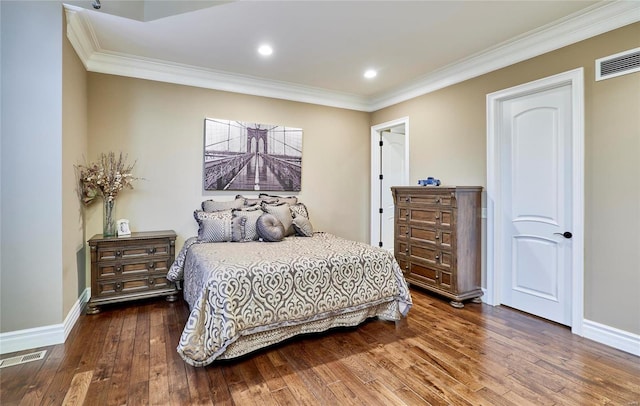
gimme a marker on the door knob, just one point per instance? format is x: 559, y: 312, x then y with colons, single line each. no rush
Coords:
x: 566, y: 234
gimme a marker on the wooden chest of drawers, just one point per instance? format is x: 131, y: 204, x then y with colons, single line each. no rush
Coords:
x: 130, y: 268
x: 437, y: 239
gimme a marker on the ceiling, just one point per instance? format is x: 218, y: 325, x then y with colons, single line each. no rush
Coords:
x: 321, y: 48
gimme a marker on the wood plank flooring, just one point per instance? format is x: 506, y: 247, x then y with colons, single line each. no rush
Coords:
x: 479, y: 355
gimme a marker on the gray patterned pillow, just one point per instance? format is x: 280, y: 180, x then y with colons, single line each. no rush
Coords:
x: 213, y: 205
x: 250, y: 201
x: 213, y: 226
x: 303, y: 226
x: 282, y: 213
x: 280, y: 199
x: 299, y: 209
x: 243, y: 223
x: 269, y: 228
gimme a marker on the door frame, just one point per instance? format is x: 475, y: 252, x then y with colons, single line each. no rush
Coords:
x: 374, y: 227
x: 575, y: 79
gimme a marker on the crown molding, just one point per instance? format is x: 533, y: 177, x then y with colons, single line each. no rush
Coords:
x: 592, y: 21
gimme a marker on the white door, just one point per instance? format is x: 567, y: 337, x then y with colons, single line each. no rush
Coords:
x: 536, y: 200
x: 389, y: 167
x: 393, y: 164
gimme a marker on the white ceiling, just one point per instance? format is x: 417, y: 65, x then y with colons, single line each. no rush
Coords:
x: 320, y: 47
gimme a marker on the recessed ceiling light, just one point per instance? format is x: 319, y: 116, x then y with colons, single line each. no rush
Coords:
x: 370, y: 74
x: 265, y: 50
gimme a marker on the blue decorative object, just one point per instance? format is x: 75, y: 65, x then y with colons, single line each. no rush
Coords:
x: 430, y: 181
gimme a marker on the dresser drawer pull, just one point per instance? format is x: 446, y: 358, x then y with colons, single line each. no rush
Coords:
x: 437, y: 217
x: 437, y: 257
x: 151, y: 281
x: 118, y: 286
x: 437, y: 201
x: 407, y: 199
x: 119, y: 269
x: 151, y: 265
x: 151, y: 250
x: 437, y: 236
x: 406, y: 250
x: 118, y: 253
x: 407, y: 232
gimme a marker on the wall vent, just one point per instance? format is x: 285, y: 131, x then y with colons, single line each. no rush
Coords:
x: 618, y: 64
x: 22, y: 359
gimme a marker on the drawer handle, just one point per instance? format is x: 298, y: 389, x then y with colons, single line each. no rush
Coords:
x: 151, y: 265
x: 118, y: 286
x: 406, y: 250
x: 437, y: 257
x: 437, y: 217
x: 406, y: 214
x: 406, y: 266
x: 119, y: 269
x: 118, y: 253
x: 437, y: 201
x: 151, y: 250
x: 407, y: 199
x: 151, y: 281
x: 407, y: 232
x: 437, y: 236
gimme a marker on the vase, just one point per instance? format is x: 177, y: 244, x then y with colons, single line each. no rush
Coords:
x: 109, y: 217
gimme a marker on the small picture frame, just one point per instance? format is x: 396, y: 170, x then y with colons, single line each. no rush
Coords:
x: 123, y: 228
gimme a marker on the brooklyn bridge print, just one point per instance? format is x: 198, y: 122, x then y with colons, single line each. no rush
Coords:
x: 251, y: 156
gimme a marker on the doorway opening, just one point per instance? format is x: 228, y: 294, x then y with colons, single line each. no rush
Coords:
x: 389, y: 167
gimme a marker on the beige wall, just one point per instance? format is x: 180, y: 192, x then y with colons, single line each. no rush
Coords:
x: 74, y: 149
x: 161, y: 126
x: 448, y: 141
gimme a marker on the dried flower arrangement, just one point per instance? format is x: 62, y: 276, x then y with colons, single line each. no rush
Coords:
x: 105, y: 178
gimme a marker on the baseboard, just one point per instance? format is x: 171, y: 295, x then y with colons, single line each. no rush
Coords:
x: 43, y: 336
x: 611, y: 336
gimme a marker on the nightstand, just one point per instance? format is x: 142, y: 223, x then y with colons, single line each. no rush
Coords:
x: 130, y: 268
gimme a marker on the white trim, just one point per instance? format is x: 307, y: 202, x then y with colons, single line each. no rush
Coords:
x: 595, y: 20
x: 575, y: 78
x: 611, y: 336
x: 37, y: 337
x: 375, y: 171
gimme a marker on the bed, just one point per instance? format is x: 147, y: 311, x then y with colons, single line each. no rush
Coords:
x: 249, y: 295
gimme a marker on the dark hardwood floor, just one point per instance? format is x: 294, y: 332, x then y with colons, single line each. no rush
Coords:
x: 478, y: 355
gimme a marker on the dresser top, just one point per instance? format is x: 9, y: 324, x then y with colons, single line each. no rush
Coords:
x: 435, y: 188
x: 141, y: 235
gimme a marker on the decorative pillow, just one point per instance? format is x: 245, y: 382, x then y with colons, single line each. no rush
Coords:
x: 250, y: 201
x: 269, y: 228
x: 299, y: 209
x: 281, y: 199
x: 282, y: 213
x: 243, y: 223
x: 212, y: 205
x: 213, y: 226
x: 303, y: 226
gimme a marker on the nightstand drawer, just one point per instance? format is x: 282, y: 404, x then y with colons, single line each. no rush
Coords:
x: 112, y: 287
x: 113, y: 269
x: 110, y: 252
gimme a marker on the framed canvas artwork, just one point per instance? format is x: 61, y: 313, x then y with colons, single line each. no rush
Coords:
x: 251, y: 156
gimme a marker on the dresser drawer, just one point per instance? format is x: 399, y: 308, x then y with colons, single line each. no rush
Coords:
x: 440, y: 237
x: 433, y: 276
x: 430, y: 216
x: 442, y: 199
x: 111, y: 269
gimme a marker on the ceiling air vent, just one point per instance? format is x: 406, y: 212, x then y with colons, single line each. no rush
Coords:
x: 618, y: 64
